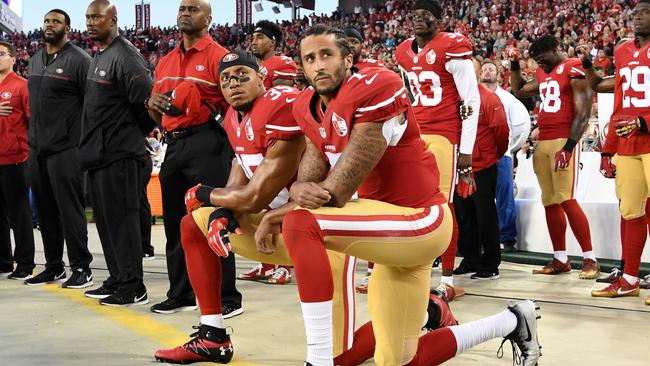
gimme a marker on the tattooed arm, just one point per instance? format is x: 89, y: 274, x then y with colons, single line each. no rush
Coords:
x: 306, y: 192
x: 364, y: 150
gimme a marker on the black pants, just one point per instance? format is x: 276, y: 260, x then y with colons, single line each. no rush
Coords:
x: 478, y: 224
x: 15, y: 213
x: 203, y: 157
x: 145, y: 208
x: 57, y: 183
x: 116, y: 191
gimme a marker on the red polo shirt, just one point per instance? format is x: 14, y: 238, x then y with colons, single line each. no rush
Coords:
x: 199, y: 64
x: 13, y: 128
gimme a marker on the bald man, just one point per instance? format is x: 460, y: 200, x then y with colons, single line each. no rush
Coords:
x: 198, y: 150
x: 114, y: 123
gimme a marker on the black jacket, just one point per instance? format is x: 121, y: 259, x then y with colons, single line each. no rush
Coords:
x: 114, y: 114
x: 56, y: 92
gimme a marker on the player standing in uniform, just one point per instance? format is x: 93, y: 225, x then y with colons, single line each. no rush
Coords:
x: 438, y: 69
x: 268, y: 144
x: 628, y: 137
x: 277, y: 70
x: 564, y: 113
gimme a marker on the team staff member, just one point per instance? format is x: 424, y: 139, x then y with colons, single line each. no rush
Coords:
x: 478, y: 226
x: 197, y: 151
x: 14, y: 193
x: 111, y: 149
x: 57, y: 82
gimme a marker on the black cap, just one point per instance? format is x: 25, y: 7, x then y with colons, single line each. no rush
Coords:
x: 238, y: 57
x: 352, y: 32
x: 431, y: 5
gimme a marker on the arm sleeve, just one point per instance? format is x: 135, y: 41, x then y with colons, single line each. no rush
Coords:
x: 382, y: 98
x: 611, y: 141
x: 499, y: 124
x: 136, y: 82
x: 82, y: 73
x: 282, y: 124
x: 519, y: 121
x: 576, y: 71
x: 465, y: 80
x: 286, y: 71
x: 24, y: 99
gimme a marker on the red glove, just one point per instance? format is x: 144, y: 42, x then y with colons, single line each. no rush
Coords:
x: 607, y: 167
x: 222, y: 222
x: 466, y: 185
x: 562, y: 159
x: 197, y: 196
x: 630, y: 126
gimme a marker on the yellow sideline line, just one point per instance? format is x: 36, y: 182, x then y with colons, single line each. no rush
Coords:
x: 161, y: 333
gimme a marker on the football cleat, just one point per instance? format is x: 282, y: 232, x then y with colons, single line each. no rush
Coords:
x: 262, y: 271
x: 439, y: 314
x: 448, y: 292
x: 362, y: 288
x: 618, y: 289
x: 590, y: 270
x: 281, y: 276
x: 613, y: 276
x: 554, y: 267
x: 526, y: 350
x: 209, y: 344
x: 644, y: 284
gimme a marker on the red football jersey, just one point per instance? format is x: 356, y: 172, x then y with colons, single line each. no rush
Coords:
x: 269, y: 119
x: 365, y: 63
x: 278, y: 67
x: 631, y: 97
x: 556, y: 111
x: 407, y: 175
x: 434, y: 92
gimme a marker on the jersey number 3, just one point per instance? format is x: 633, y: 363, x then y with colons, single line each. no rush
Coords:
x: 425, y: 87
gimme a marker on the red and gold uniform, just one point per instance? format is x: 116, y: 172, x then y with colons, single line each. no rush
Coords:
x: 271, y: 120
x: 555, y: 119
x: 365, y: 63
x: 400, y: 221
x: 278, y: 67
x: 436, y: 98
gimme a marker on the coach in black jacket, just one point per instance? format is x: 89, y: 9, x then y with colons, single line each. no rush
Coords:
x: 113, y: 124
x: 57, y: 80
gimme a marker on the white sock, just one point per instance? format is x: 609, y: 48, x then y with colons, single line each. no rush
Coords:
x: 630, y: 279
x: 448, y: 280
x: 589, y: 255
x: 318, y: 326
x: 213, y: 320
x: 561, y: 256
x: 470, y: 334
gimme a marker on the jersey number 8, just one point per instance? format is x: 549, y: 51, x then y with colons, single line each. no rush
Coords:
x: 549, y: 91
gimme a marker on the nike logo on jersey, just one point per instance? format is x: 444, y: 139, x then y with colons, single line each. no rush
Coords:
x: 290, y: 100
x: 371, y: 80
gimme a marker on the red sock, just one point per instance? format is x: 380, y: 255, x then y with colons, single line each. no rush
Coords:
x: 305, y: 243
x: 203, y: 267
x: 623, y: 228
x: 370, y: 266
x: 435, y: 348
x: 363, y: 348
x: 556, y: 223
x: 647, y: 212
x: 636, y: 232
x: 449, y: 256
x: 579, y: 224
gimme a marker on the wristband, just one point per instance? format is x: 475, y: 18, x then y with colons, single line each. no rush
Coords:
x: 146, y: 103
x: 643, y: 126
x: 586, y: 63
x: 569, y: 145
x: 203, y: 194
x: 515, y: 66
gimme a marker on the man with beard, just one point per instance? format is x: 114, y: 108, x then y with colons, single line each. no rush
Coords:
x: 355, y: 39
x: 57, y: 83
x: 277, y: 70
x: 197, y: 148
x: 114, y: 122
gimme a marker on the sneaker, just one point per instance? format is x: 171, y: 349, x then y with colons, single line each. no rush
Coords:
x: 281, y: 276
x: 449, y: 292
x: 644, y: 284
x: 362, y: 288
x: 261, y: 271
x: 509, y: 246
x: 463, y: 269
x: 79, y: 278
x: 526, y: 350
x: 590, y: 270
x: 100, y: 293
x: 230, y: 311
x: 47, y: 276
x: 439, y: 314
x: 612, y: 277
x: 554, y: 267
x: 171, y: 306
x: 437, y: 262
x: 482, y: 275
x: 120, y: 299
x: 148, y: 254
x: 4, y: 273
x: 209, y: 344
x: 618, y: 289
x: 20, y: 274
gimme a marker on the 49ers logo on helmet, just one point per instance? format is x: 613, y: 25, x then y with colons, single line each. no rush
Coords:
x: 340, y: 125
x: 230, y: 57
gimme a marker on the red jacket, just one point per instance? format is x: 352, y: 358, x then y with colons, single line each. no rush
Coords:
x: 13, y: 128
x: 492, y: 132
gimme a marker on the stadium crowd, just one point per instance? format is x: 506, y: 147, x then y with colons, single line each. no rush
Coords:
x: 491, y: 26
